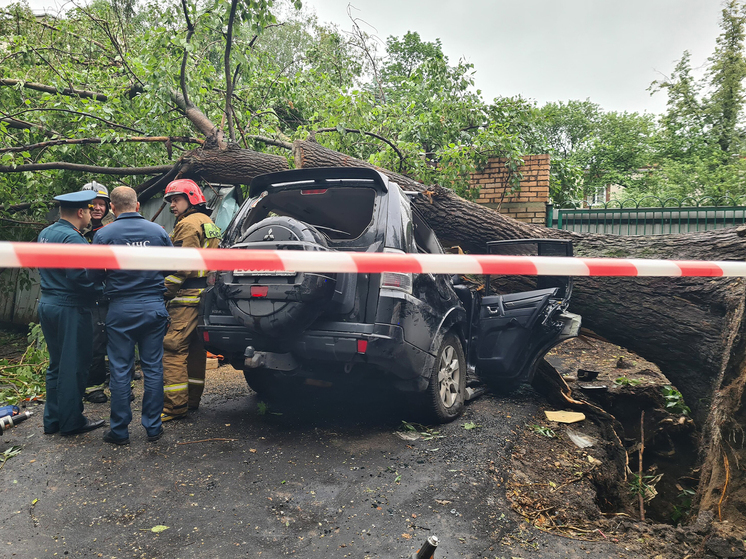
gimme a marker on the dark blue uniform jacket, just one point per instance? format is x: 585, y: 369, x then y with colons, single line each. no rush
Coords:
x: 132, y: 229
x: 67, y: 287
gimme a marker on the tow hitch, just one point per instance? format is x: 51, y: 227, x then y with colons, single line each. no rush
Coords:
x: 264, y: 359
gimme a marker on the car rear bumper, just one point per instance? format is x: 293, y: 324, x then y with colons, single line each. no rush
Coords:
x: 379, y: 345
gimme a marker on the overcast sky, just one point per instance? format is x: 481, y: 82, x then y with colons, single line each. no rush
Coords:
x: 547, y: 50
x: 553, y: 50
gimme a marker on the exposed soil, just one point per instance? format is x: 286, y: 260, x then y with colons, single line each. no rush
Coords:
x: 582, y: 493
x: 13, y: 343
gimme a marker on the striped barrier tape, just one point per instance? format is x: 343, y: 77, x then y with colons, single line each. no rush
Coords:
x: 119, y: 257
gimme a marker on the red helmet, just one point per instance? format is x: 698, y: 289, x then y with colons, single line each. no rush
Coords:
x: 188, y: 188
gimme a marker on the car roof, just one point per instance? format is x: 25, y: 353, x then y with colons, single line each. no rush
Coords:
x: 317, y: 176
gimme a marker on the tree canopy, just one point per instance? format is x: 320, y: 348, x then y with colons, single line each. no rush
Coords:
x: 117, y: 91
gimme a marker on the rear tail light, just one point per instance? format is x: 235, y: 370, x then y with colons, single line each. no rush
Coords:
x: 259, y: 290
x: 206, y: 336
x: 362, y: 346
x: 395, y: 280
x: 307, y: 191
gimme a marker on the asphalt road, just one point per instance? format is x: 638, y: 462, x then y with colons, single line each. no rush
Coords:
x: 316, y: 475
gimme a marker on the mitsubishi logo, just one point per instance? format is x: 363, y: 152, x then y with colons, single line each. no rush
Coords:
x: 269, y: 236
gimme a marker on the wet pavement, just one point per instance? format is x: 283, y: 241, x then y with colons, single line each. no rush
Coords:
x: 318, y: 474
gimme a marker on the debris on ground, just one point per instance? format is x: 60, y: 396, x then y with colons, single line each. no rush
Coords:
x: 626, y: 474
x: 564, y: 416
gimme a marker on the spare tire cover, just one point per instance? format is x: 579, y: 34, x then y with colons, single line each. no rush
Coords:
x: 292, y: 302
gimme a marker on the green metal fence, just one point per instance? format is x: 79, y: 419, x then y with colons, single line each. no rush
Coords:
x: 652, y: 215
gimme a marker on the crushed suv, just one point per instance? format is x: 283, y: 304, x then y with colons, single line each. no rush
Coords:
x: 427, y: 334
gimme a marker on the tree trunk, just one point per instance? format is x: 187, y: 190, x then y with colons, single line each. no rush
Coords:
x: 232, y: 165
x: 692, y: 328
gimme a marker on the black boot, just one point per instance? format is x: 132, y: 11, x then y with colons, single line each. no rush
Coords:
x: 96, y: 397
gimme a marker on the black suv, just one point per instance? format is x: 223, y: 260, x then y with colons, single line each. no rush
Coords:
x: 424, y: 332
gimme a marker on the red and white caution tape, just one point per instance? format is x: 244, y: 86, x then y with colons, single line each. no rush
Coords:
x: 119, y: 257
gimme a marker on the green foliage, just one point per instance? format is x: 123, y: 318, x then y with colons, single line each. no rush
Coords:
x: 683, y: 509
x: 544, y: 431
x: 25, y: 380
x: 674, y: 401
x: 726, y: 74
x: 290, y: 80
x: 9, y: 453
x: 644, y: 485
x: 591, y: 148
x: 294, y: 76
x: 626, y: 381
x: 427, y: 433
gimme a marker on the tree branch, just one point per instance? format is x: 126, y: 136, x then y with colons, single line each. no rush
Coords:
x: 190, y: 32
x: 104, y: 25
x: 43, y: 24
x: 149, y: 188
x: 17, y: 222
x: 82, y: 141
x: 271, y: 141
x: 372, y: 134
x: 87, y: 115
x: 198, y: 118
x: 63, y: 165
x: 23, y: 125
x: 26, y: 206
x: 363, y: 45
x: 228, y: 80
x: 55, y: 90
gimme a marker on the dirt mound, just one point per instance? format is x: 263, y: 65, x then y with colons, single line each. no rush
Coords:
x: 627, y: 471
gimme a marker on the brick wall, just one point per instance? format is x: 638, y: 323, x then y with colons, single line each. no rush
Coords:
x: 527, y: 204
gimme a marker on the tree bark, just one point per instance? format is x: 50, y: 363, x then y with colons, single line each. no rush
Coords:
x: 80, y: 168
x: 232, y: 165
x: 54, y: 90
x: 692, y: 328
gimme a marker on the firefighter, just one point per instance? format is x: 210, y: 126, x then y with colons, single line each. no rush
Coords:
x: 100, y: 216
x: 183, y: 353
x: 101, y: 213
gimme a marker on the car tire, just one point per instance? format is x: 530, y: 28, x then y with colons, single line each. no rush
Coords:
x: 445, y: 393
x: 281, y: 313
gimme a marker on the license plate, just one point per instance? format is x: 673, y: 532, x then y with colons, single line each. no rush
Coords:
x: 283, y: 273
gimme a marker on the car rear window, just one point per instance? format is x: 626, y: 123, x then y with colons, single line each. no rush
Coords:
x: 339, y: 213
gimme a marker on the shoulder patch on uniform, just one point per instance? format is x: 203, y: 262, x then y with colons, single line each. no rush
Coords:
x: 211, y: 230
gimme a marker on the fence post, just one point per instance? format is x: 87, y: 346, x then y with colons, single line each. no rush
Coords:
x: 550, y: 214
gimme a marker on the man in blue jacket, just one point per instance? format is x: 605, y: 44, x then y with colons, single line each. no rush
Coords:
x: 67, y: 296
x: 137, y: 315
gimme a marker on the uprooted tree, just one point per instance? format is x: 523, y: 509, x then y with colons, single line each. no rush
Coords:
x: 692, y: 328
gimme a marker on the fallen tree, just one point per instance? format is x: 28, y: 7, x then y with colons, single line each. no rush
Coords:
x: 692, y: 328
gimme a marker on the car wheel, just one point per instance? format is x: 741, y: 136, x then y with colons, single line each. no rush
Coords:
x: 445, y: 393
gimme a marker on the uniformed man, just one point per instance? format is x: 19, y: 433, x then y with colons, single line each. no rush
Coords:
x: 137, y: 315
x: 67, y: 296
x: 100, y: 216
x: 184, y: 356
